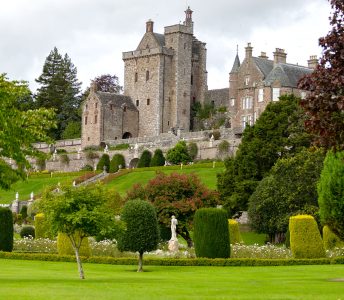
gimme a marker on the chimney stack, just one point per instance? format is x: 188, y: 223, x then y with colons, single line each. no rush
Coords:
x: 312, y: 62
x: 149, y: 26
x: 263, y: 55
x: 248, y: 51
x: 280, y: 56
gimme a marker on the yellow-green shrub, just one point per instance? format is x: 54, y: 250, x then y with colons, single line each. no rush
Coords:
x: 305, y: 239
x: 234, y: 232
x: 331, y: 240
x: 42, y: 228
x: 64, y: 246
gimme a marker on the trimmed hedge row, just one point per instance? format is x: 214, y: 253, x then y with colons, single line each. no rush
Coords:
x: 248, y: 262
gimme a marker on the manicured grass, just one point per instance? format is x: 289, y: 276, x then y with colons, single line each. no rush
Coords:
x: 56, y: 280
x: 124, y: 183
x: 35, y: 184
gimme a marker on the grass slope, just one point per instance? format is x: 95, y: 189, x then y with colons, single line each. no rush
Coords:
x: 55, y: 280
x: 123, y: 183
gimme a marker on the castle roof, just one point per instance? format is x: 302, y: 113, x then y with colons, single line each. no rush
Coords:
x: 287, y: 74
x: 116, y: 100
x: 160, y: 38
x: 264, y: 65
x: 236, y: 64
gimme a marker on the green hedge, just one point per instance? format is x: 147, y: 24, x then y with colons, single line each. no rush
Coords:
x: 64, y: 246
x: 331, y: 240
x: 242, y: 262
x: 305, y: 239
x: 211, y: 233
x: 6, y: 230
x: 234, y: 232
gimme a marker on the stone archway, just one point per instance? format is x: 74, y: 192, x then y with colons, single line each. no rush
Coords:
x: 133, y: 163
x: 127, y: 135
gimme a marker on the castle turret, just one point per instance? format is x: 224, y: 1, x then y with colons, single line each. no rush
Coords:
x: 188, y: 17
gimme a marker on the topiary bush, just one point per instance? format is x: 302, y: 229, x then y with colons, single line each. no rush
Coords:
x: 211, y: 233
x: 6, y: 230
x: 178, y: 154
x: 305, y: 239
x: 116, y: 161
x: 104, y: 162
x: 42, y: 228
x: 27, y: 231
x: 192, y: 150
x: 145, y: 159
x: 64, y: 246
x: 158, y: 159
x: 331, y: 240
x: 23, y: 212
x: 234, y: 232
x: 87, y: 168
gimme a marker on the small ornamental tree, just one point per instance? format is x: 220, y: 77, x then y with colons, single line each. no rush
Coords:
x: 331, y: 193
x: 104, y: 162
x: 176, y: 194
x: 324, y: 104
x: 116, y: 161
x: 234, y: 232
x: 192, y: 150
x: 330, y: 239
x: 211, y: 233
x: 142, y: 231
x: 6, y: 230
x: 145, y: 159
x: 78, y: 212
x: 178, y: 154
x: 305, y: 238
x: 158, y: 159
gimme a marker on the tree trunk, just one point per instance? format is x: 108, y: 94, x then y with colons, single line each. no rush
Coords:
x: 140, y: 262
x: 186, y: 236
x: 78, y: 261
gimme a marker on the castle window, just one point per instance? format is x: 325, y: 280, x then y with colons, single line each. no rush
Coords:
x: 184, y: 45
x: 249, y: 120
x: 111, y: 106
x: 147, y: 75
x: 260, y: 95
x: 247, y: 80
x: 136, y: 77
x: 243, y: 121
x: 88, y: 138
x: 232, y: 102
x: 275, y: 94
x: 184, y: 111
x: 124, y: 108
x: 95, y: 119
x: 246, y: 103
x: 96, y: 104
x: 85, y: 120
x: 169, y: 99
x: 193, y: 100
x: 255, y: 117
x: 303, y: 95
x: 137, y: 102
x: 148, y: 101
x: 191, y: 79
x: 168, y: 123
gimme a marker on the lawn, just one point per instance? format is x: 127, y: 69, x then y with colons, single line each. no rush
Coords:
x: 123, y: 183
x: 57, y: 280
x: 35, y: 184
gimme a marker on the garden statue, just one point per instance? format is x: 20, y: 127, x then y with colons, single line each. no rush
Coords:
x: 54, y: 155
x: 31, y: 196
x: 79, y: 153
x: 211, y: 141
x: 106, y: 149
x: 173, y: 242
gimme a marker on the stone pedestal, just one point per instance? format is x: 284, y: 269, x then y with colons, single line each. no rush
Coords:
x: 173, y: 245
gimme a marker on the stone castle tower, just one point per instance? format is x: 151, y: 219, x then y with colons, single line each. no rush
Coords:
x: 164, y: 76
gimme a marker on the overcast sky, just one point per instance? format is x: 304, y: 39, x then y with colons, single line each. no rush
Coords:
x: 94, y: 33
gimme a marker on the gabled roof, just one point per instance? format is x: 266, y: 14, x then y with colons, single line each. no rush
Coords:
x: 264, y: 65
x: 160, y: 38
x: 287, y: 74
x: 116, y: 100
x: 236, y: 64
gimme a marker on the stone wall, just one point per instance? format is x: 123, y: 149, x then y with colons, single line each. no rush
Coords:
x: 220, y: 97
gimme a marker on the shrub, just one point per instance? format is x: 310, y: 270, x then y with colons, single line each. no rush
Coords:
x: 305, y: 239
x: 116, y: 161
x: 216, y: 134
x: 86, y: 168
x: 223, y: 148
x: 178, y: 154
x: 27, y: 231
x: 234, y: 232
x: 42, y: 228
x: 104, y: 162
x: 145, y: 159
x: 6, y: 230
x: 120, y: 147
x: 192, y: 150
x: 331, y: 193
x: 158, y: 159
x: 64, y: 159
x: 211, y: 234
x: 64, y: 246
x: 331, y: 240
x: 23, y: 212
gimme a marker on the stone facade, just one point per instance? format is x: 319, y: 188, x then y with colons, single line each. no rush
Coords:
x: 257, y: 81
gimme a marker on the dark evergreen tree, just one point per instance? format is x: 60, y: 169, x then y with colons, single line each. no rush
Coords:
x: 104, y: 162
x: 6, y: 230
x: 158, y: 159
x: 145, y: 159
x: 59, y: 89
x: 116, y: 161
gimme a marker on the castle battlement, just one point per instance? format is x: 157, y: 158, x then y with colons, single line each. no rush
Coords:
x: 147, y: 52
x: 178, y: 28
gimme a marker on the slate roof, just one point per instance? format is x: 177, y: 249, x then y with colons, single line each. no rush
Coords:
x: 160, y: 38
x: 236, y: 64
x: 115, y: 99
x: 264, y: 65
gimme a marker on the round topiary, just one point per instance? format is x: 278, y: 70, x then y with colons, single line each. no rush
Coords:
x: 211, y: 233
x: 64, y: 246
x: 6, y: 230
x: 116, y: 161
x: 305, y: 239
x: 331, y: 240
x: 234, y: 232
x: 158, y: 159
x: 104, y: 162
x: 145, y: 159
x: 27, y: 231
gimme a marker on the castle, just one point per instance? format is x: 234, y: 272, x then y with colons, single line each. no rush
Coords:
x: 166, y: 75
